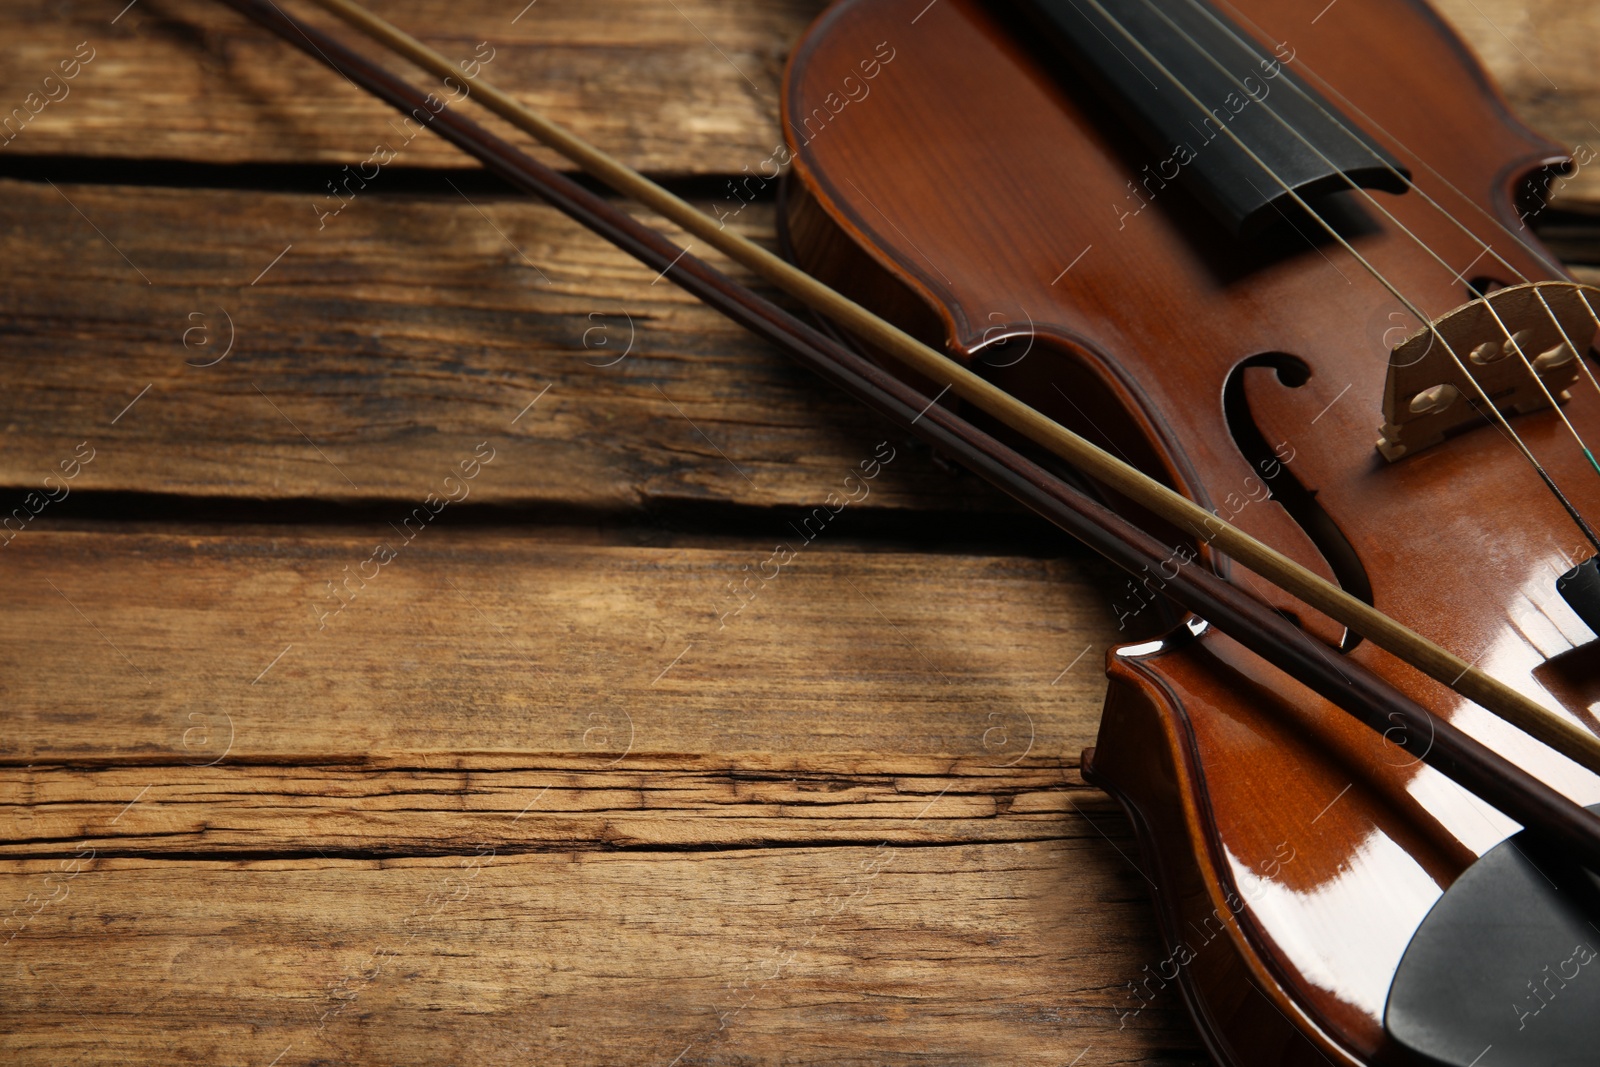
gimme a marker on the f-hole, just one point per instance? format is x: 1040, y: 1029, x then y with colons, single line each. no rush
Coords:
x: 1287, y: 490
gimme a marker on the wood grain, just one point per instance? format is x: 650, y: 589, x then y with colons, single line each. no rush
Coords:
x: 503, y: 646
x: 587, y: 801
x: 689, y: 87
x: 847, y: 825
x: 382, y: 348
x: 1016, y: 953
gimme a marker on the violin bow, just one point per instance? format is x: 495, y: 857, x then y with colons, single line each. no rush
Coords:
x: 1387, y: 633
x: 1235, y: 612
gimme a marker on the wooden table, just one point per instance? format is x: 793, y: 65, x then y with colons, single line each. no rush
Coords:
x: 520, y: 787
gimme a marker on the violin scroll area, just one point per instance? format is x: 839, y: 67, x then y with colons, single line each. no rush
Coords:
x: 1519, y: 348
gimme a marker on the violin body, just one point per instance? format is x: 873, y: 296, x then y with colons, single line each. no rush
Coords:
x: 951, y: 174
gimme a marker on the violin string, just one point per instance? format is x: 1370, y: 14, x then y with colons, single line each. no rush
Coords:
x: 1485, y: 246
x: 1590, y: 307
x: 1537, y: 253
x: 1543, y: 387
x: 1412, y: 186
x: 1488, y: 405
x: 1429, y: 325
x: 1567, y: 338
x: 1587, y: 370
x: 1335, y: 119
x: 1510, y: 338
x: 1349, y: 105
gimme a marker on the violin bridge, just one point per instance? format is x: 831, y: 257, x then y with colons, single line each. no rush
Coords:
x: 1427, y: 395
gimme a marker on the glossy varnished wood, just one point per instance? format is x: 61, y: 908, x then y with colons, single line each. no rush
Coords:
x: 992, y: 185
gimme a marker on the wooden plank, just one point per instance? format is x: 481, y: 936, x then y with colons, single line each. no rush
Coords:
x: 1017, y: 953
x: 383, y: 348
x: 683, y: 88
x: 521, y: 704
x: 506, y: 646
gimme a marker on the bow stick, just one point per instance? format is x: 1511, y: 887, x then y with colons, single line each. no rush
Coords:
x: 1235, y: 612
x: 1387, y: 633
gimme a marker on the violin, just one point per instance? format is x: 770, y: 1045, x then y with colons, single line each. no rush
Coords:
x: 1279, y: 272
x: 1080, y: 200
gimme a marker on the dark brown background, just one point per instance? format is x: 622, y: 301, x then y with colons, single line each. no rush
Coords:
x: 525, y: 798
